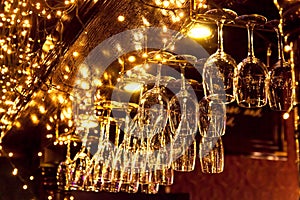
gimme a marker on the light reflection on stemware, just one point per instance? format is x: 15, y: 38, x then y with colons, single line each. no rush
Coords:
x: 252, y: 78
x: 218, y: 72
x: 212, y: 122
x: 281, y: 77
x: 211, y: 153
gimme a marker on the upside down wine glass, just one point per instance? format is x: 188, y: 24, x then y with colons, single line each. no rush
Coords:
x: 252, y: 77
x: 218, y: 71
x: 184, y: 119
x: 154, y: 104
x: 281, y: 78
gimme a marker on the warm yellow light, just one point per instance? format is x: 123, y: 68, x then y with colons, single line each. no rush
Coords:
x: 131, y: 58
x: 85, y: 85
x: 18, y: 124
x: 58, y: 13
x: 166, y: 4
x: 34, y: 118
x: 287, y: 48
x: 133, y: 87
x: 31, y: 178
x: 42, y: 109
x: 121, y: 18
x: 15, y: 171
x: 25, y: 187
x: 199, y: 31
x: 60, y: 98
x: 75, y: 54
x: 40, y: 154
x: 286, y: 116
x: 84, y: 71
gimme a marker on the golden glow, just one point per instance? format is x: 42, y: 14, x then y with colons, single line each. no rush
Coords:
x: 34, y: 118
x: 15, y: 172
x: 286, y: 116
x: 75, y: 54
x: 25, y: 187
x: 42, y: 109
x: 133, y: 87
x: 287, y: 48
x: 131, y: 59
x: 31, y: 178
x: 18, y: 124
x: 199, y: 31
x: 121, y: 18
x: 11, y: 154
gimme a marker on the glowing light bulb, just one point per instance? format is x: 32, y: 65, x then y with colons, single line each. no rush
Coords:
x: 199, y: 31
x: 286, y: 116
x: 15, y: 172
x: 131, y: 59
x: 121, y: 18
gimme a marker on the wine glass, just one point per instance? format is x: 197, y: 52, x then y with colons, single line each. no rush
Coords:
x: 183, y: 119
x: 218, y: 71
x: 184, y: 104
x: 281, y: 77
x: 252, y: 78
x: 79, y: 166
x: 212, y: 122
x: 154, y: 104
x: 211, y: 153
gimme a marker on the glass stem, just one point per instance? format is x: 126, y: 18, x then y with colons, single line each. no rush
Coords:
x: 280, y: 44
x: 182, y: 78
x: 220, y: 25
x: 107, y: 129
x: 250, y: 28
x: 126, y: 130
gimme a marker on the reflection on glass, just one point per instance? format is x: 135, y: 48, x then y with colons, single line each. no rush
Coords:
x: 252, y: 77
x: 218, y: 72
x: 212, y: 122
x: 281, y: 80
x: 211, y: 153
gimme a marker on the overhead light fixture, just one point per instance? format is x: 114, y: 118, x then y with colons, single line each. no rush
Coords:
x: 199, y: 31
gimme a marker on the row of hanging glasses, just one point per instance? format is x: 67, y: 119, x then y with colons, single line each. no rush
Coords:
x: 250, y: 83
x: 158, y: 140
x: 156, y: 135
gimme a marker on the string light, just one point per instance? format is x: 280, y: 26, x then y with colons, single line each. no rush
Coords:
x: 121, y: 18
x: 286, y: 116
x: 15, y: 171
